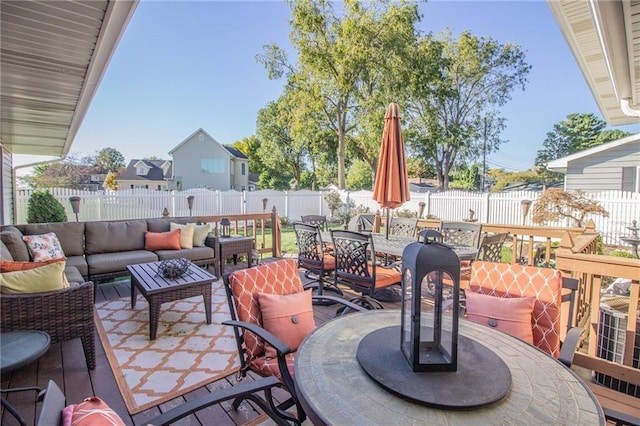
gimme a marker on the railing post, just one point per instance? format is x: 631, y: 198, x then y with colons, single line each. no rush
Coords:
x: 276, y: 234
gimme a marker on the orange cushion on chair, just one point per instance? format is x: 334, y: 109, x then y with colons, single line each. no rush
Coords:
x: 511, y: 315
x: 279, y: 277
x: 386, y: 276
x: 162, y: 240
x: 288, y: 317
x: 513, y: 280
x: 91, y: 412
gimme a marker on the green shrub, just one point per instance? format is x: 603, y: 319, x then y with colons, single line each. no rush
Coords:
x: 43, y: 208
x: 622, y: 253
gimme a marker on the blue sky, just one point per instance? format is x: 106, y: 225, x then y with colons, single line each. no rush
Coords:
x: 184, y: 65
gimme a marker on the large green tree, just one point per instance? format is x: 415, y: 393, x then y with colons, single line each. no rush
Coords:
x: 110, y: 160
x: 578, y: 132
x: 456, y: 117
x: 343, y: 56
x: 72, y: 172
x: 282, y: 156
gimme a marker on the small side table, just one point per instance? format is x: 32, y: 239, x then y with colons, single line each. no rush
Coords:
x: 17, y: 349
x: 233, y: 246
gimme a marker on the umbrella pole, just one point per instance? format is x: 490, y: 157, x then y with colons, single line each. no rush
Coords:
x: 388, y: 224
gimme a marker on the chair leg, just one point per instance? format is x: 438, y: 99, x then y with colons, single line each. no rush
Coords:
x: 365, y: 301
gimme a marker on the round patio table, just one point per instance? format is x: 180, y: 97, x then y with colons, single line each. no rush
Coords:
x: 19, y: 348
x: 335, y: 390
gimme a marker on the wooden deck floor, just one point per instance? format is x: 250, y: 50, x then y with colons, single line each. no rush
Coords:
x: 65, y: 364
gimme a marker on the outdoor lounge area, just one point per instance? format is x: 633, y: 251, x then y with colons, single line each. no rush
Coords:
x: 65, y: 362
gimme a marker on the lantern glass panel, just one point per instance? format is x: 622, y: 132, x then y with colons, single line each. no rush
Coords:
x: 436, y: 345
x: 407, y: 290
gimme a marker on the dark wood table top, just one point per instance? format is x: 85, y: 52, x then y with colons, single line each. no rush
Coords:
x: 150, y: 281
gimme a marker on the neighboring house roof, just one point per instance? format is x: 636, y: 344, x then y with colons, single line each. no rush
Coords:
x: 531, y: 186
x: 560, y: 165
x: 602, y: 38
x: 154, y: 173
x: 235, y: 152
x: 54, y: 55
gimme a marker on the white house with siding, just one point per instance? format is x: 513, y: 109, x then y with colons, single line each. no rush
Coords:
x: 202, y: 162
x: 611, y: 166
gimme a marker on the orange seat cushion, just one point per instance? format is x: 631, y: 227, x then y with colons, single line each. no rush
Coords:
x: 386, y: 276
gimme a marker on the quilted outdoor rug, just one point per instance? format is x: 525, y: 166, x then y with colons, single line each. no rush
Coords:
x: 188, y: 353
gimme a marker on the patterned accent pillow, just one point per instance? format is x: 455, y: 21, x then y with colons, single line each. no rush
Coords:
x: 91, y: 412
x: 288, y: 317
x: 44, y: 247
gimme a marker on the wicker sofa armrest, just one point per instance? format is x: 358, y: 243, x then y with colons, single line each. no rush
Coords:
x: 64, y: 314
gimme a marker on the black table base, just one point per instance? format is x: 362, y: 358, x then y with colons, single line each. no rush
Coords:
x: 482, y: 377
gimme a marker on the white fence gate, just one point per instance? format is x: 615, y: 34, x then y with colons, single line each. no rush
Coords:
x: 495, y: 208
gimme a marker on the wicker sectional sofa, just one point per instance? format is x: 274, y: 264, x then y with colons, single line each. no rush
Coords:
x: 100, y: 250
x: 95, y: 251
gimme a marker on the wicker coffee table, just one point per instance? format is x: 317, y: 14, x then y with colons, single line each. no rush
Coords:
x: 158, y: 289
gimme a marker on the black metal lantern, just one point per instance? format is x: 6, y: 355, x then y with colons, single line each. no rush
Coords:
x: 225, y: 227
x: 429, y: 338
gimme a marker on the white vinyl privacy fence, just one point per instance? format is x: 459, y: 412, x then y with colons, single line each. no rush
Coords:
x: 495, y: 208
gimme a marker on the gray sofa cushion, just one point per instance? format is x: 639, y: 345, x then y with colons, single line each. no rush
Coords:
x: 70, y: 235
x: 12, y: 239
x: 5, y: 254
x: 110, y: 237
x: 79, y: 263
x: 73, y: 275
x: 196, y: 253
x: 163, y: 224
x: 107, y: 263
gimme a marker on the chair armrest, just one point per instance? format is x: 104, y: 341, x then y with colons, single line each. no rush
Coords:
x: 340, y: 300
x: 570, y: 345
x: 280, y: 347
x: 243, y: 390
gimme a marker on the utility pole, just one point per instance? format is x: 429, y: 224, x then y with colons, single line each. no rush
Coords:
x: 484, y: 156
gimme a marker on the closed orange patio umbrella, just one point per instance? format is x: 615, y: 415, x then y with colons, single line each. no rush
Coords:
x: 391, y: 188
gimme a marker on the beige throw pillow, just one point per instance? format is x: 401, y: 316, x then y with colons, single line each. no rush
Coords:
x: 200, y: 235
x: 186, y: 235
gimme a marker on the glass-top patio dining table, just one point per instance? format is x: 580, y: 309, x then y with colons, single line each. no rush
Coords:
x: 394, y: 245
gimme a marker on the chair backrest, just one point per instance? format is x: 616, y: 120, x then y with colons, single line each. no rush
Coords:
x: 318, y: 220
x: 243, y: 286
x: 362, y: 223
x: 515, y: 280
x: 464, y: 233
x: 403, y: 226
x: 310, y: 246
x: 355, y: 261
x: 490, y: 249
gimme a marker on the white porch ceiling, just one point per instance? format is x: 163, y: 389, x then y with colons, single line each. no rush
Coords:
x: 53, y: 54
x: 604, y: 36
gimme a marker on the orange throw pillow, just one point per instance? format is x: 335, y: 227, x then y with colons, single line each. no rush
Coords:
x: 511, y: 315
x: 12, y: 266
x: 288, y: 317
x: 162, y: 240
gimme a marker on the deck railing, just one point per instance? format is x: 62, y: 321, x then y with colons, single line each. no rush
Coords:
x: 252, y: 225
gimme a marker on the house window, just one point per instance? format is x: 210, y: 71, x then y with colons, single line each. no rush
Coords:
x: 244, y: 169
x: 212, y: 165
x: 159, y: 187
x: 131, y: 186
x: 630, y: 179
x: 141, y: 170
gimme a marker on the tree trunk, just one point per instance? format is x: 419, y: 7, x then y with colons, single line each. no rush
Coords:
x: 341, y: 149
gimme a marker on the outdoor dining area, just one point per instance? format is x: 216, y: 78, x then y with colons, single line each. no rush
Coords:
x: 391, y: 321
